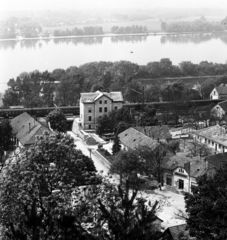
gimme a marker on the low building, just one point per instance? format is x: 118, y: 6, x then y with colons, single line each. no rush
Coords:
x: 214, y: 137
x: 175, y: 232
x: 131, y: 138
x: 26, y: 129
x: 181, y: 172
x: 97, y: 104
x: 219, y: 92
x: 219, y: 111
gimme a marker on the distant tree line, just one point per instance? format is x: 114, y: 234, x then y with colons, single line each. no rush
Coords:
x: 129, y: 29
x: 88, y: 30
x: 200, y: 25
x: 63, y: 87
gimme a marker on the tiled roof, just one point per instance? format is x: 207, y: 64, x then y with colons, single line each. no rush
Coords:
x: 92, y: 97
x: 20, y: 127
x: 133, y: 138
x: 197, y: 167
x: 222, y: 89
x: 223, y: 105
x: 176, y: 230
x: 155, y: 132
x: 218, y: 160
x: 215, y: 133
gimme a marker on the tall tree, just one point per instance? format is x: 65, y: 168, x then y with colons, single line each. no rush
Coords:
x: 116, y: 146
x: 57, y: 120
x: 207, y: 207
x: 37, y: 189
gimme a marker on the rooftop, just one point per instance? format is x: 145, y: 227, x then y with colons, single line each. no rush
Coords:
x: 215, y: 133
x: 218, y: 160
x: 132, y: 138
x: 26, y: 128
x: 222, y: 89
x: 155, y: 132
x: 92, y: 97
x: 223, y: 105
x: 176, y: 230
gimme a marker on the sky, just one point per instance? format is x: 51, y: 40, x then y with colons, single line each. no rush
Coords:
x: 96, y: 4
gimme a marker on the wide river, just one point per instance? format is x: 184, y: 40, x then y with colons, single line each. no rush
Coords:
x: 29, y: 55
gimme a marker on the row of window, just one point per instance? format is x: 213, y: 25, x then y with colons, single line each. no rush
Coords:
x: 105, y: 101
x: 100, y: 109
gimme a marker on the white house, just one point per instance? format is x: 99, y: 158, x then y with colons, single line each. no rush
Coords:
x: 214, y: 137
x: 220, y: 111
x: 219, y: 92
x: 96, y: 104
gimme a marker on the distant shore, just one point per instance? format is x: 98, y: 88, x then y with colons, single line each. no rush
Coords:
x: 109, y: 35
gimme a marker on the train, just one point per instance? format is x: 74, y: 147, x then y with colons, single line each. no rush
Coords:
x: 75, y: 110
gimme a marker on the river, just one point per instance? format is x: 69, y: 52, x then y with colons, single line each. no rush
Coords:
x: 29, y: 55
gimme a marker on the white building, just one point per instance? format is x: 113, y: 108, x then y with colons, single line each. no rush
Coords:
x: 219, y: 92
x: 96, y: 104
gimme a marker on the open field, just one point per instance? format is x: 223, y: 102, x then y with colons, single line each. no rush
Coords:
x: 152, y: 26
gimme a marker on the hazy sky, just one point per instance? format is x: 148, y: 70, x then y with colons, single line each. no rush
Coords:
x: 71, y: 4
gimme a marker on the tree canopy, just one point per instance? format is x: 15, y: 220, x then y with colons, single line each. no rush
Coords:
x: 57, y: 120
x: 207, y: 207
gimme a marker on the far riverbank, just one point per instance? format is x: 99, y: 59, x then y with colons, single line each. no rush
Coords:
x: 111, y: 35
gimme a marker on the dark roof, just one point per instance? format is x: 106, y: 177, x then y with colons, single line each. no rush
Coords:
x: 155, y: 132
x: 218, y: 160
x: 223, y: 105
x: 197, y: 167
x: 176, y: 230
x: 133, y: 138
x: 20, y: 127
x: 92, y: 97
x: 222, y: 89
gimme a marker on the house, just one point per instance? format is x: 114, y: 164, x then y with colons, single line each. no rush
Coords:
x: 175, y: 232
x: 181, y: 172
x: 131, y: 138
x: 25, y: 129
x: 214, y: 137
x: 96, y: 104
x: 219, y: 111
x: 159, y: 133
x: 215, y: 162
x: 219, y: 92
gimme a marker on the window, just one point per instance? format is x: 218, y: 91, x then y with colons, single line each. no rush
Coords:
x: 105, y: 101
x: 115, y: 107
x: 105, y: 109
x: 100, y: 109
x: 181, y: 184
x: 89, y: 126
x: 181, y: 170
x: 89, y: 118
x: 100, y: 101
x: 89, y: 110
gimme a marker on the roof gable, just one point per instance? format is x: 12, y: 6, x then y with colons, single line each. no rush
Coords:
x: 133, y: 138
x: 25, y: 128
x: 223, y: 105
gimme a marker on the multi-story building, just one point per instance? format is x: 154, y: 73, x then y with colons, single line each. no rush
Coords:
x: 96, y: 104
x: 219, y: 92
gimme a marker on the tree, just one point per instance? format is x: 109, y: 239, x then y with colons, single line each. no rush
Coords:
x: 57, y: 120
x: 207, y: 207
x: 37, y: 189
x: 129, y: 217
x: 116, y: 146
x: 104, y: 124
x: 121, y: 127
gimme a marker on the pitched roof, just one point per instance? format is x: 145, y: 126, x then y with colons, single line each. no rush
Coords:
x: 223, y: 105
x: 92, y: 97
x: 176, y: 230
x: 215, y: 133
x: 222, y: 89
x: 133, y: 138
x: 155, y: 132
x: 197, y: 167
x: 218, y: 160
x: 20, y: 127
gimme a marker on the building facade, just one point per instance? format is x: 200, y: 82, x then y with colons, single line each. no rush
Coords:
x: 219, y: 92
x: 97, y: 104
